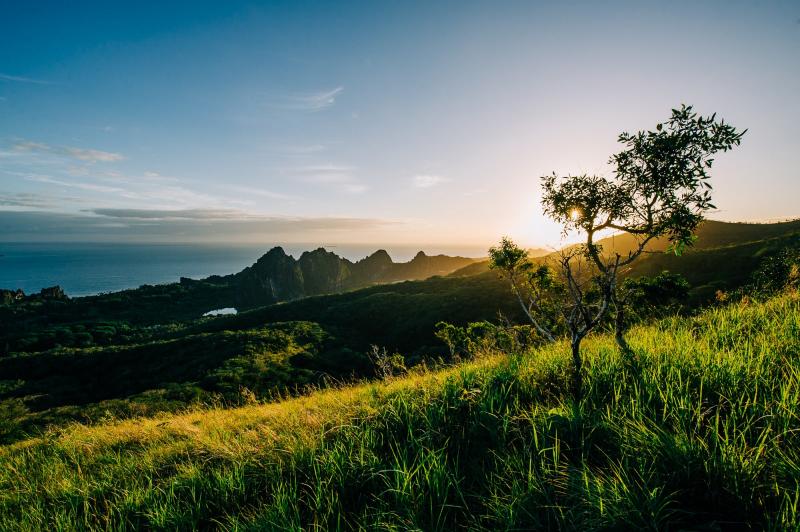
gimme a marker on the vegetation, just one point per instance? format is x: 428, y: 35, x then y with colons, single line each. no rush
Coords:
x: 419, y: 405
x: 91, y: 369
x: 659, y: 190
x: 703, y: 436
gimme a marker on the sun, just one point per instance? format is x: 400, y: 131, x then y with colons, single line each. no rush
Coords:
x: 574, y: 214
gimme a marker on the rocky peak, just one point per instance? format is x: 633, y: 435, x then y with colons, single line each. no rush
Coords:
x: 323, y: 271
x: 379, y: 257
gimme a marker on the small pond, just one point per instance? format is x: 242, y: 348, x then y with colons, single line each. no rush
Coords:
x: 221, y: 312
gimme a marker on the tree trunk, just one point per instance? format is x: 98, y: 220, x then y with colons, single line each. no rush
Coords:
x: 577, y: 369
x: 619, y: 328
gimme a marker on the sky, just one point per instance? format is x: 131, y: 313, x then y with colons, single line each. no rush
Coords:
x: 388, y: 122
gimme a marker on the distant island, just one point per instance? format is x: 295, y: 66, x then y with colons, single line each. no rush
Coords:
x: 273, y: 278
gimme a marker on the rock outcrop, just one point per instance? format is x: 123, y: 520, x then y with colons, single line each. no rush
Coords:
x: 274, y: 277
x: 277, y: 276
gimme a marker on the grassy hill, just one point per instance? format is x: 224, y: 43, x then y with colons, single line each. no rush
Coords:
x: 703, y: 435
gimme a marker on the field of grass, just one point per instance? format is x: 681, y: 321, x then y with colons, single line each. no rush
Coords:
x: 703, y: 432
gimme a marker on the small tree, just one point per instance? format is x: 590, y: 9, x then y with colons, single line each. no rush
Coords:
x: 563, y: 293
x: 386, y: 365
x: 659, y: 189
x: 533, y: 286
x: 454, y: 338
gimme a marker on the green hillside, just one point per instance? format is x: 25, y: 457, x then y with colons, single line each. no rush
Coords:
x: 702, y: 436
x: 710, y: 234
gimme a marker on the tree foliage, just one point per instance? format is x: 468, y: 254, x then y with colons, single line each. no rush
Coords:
x: 659, y: 188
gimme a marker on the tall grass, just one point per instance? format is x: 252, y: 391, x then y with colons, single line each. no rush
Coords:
x: 703, y: 432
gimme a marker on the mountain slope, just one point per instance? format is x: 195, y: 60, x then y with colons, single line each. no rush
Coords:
x: 702, y: 437
x: 710, y: 234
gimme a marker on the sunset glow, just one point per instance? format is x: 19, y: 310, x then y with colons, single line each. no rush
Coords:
x: 371, y: 133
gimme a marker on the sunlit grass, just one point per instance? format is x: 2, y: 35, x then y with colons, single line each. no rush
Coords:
x: 702, y: 431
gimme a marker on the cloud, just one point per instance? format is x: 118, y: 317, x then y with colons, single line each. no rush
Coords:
x: 93, y: 155
x: 22, y: 79
x: 341, y: 176
x: 73, y: 184
x: 190, y: 225
x: 27, y: 145
x: 325, y: 173
x: 428, y: 181
x: 312, y: 101
x: 155, y: 192
x: 81, y: 154
x: 264, y: 193
x: 174, y: 214
x: 25, y: 199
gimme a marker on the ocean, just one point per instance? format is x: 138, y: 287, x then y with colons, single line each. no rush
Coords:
x: 83, y: 269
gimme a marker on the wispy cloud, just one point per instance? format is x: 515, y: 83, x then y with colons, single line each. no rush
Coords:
x: 153, y: 190
x: 179, y: 225
x: 311, y: 101
x: 325, y: 173
x: 26, y: 199
x: 73, y: 184
x: 23, y: 79
x: 262, y: 192
x: 174, y: 214
x: 428, y: 181
x: 341, y: 176
x: 234, y: 215
x: 81, y: 154
x: 93, y: 155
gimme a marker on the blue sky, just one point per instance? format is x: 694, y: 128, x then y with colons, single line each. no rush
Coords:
x: 370, y: 122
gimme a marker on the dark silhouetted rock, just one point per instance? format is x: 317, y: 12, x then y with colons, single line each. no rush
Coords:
x: 279, y: 277
x: 54, y: 293
x: 324, y: 272
x: 274, y: 277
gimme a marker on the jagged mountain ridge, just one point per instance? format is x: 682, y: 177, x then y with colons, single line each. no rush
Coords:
x: 277, y: 276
